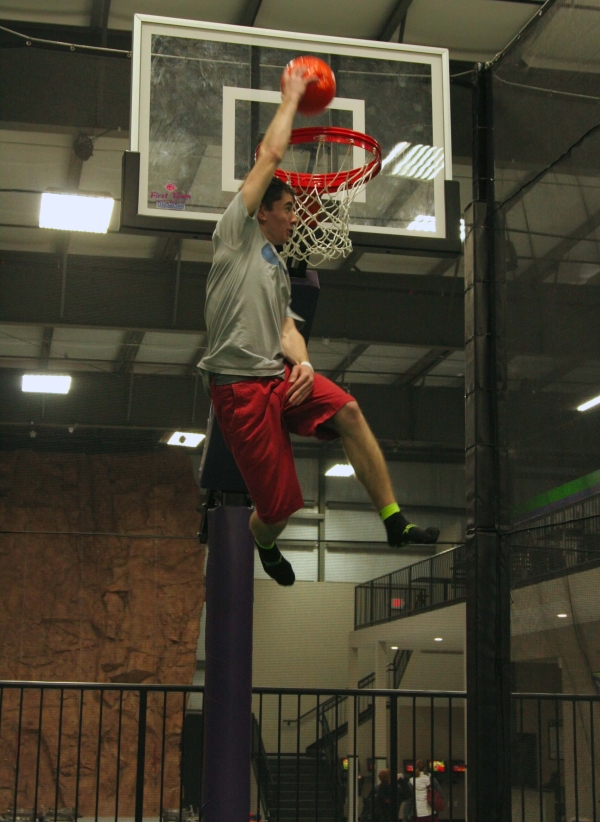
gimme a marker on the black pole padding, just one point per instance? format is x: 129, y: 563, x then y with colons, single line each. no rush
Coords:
x: 487, y: 554
x: 228, y: 677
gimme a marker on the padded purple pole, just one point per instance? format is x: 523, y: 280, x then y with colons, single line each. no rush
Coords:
x: 228, y: 682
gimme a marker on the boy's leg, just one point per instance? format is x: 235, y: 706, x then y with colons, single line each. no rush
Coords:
x: 364, y: 454
x: 249, y: 416
x: 369, y: 465
x: 263, y: 533
x: 273, y: 561
x: 330, y: 412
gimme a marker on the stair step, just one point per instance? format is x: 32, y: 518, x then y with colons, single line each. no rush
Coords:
x: 301, y: 790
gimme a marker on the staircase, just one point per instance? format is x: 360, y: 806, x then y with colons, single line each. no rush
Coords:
x: 329, y: 736
x: 300, y: 790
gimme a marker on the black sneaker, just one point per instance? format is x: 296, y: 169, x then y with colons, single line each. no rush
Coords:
x: 276, y: 565
x: 401, y: 532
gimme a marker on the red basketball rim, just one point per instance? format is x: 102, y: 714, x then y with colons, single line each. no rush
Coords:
x: 334, y: 180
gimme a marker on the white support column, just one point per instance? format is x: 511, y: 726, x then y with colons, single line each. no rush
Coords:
x: 352, y: 788
x: 381, y: 718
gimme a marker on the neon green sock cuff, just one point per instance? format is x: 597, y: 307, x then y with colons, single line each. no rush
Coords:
x: 392, y: 508
x: 264, y: 547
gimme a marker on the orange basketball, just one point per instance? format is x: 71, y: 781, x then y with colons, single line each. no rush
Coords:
x: 319, y: 94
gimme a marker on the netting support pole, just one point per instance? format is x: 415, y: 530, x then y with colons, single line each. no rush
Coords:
x: 228, y: 681
x: 488, y: 592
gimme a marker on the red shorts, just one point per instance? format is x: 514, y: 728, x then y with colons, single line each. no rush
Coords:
x: 256, y: 426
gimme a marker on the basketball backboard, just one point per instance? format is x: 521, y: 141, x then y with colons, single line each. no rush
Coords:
x: 203, y: 95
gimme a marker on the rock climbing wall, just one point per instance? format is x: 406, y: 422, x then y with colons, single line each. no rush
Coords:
x: 101, y: 580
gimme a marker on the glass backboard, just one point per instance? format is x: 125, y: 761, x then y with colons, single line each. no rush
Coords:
x: 204, y: 94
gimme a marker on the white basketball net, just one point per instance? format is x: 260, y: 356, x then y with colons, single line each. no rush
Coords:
x: 321, y: 232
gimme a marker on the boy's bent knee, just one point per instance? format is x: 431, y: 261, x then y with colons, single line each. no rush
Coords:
x: 348, y: 417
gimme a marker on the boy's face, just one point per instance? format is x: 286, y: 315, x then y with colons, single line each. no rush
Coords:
x: 277, y: 223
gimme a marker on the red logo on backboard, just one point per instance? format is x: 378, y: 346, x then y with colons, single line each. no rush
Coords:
x: 170, y: 186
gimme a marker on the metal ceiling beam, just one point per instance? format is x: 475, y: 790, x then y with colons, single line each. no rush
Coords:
x: 561, y: 370
x: 541, y: 269
x: 74, y: 172
x: 197, y: 356
x: 167, y: 248
x: 249, y: 13
x: 347, y: 361
x: 422, y: 367
x: 102, y: 399
x: 99, y: 18
x: 72, y: 184
x: 138, y: 294
x: 148, y: 401
x: 443, y: 265
x: 46, y: 345
x: 395, y: 19
x: 350, y: 261
x: 128, y: 352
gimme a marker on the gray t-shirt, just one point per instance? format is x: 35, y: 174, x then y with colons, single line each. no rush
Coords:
x: 248, y: 296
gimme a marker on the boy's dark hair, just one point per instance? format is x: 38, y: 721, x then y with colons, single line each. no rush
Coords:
x: 275, y: 191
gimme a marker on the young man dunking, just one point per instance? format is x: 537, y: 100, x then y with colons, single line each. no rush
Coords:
x: 262, y: 384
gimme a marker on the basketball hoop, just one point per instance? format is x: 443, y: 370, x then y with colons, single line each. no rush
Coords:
x: 323, y: 198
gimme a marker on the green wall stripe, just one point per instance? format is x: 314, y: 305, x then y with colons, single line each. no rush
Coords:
x: 560, y: 494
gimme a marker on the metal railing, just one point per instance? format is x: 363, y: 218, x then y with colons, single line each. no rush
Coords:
x: 122, y: 751
x: 433, y: 581
x: 260, y: 766
x: 549, y: 550
x: 554, y: 757
x: 536, y: 553
x: 113, y: 751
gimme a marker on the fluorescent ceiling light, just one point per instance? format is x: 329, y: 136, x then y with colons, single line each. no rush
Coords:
x: 423, y: 222
x: 562, y: 616
x: 187, y: 439
x: 46, y: 384
x: 76, y: 212
x: 589, y: 404
x: 340, y: 470
x: 416, y: 162
x: 394, y: 647
x: 438, y: 639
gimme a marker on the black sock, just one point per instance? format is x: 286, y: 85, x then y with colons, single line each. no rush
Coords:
x: 402, y: 532
x: 276, y: 565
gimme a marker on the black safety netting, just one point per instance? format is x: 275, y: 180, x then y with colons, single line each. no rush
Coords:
x: 546, y: 102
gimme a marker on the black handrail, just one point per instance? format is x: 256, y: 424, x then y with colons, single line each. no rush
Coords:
x: 260, y: 766
x: 366, y: 681
x: 329, y: 750
x: 325, y: 706
x: 399, y: 666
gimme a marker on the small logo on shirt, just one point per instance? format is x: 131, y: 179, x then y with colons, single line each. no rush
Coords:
x: 270, y: 256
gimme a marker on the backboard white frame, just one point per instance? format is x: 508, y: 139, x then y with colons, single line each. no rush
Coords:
x: 146, y: 26
x: 233, y: 93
